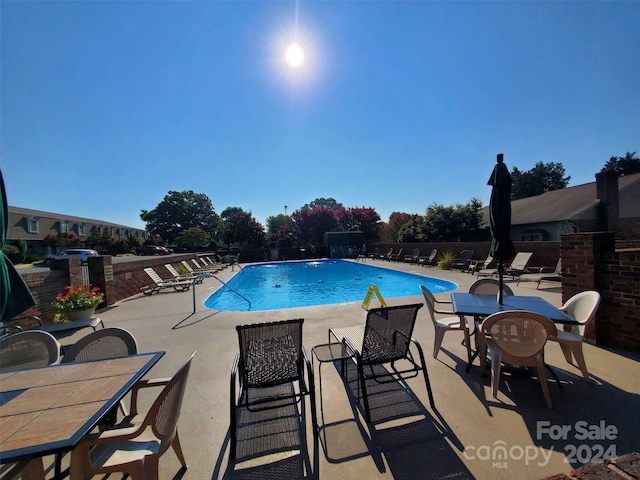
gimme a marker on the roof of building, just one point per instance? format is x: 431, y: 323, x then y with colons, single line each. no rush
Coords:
x: 60, y: 216
x: 569, y: 203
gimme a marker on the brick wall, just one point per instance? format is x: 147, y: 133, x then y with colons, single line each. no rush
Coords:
x: 590, y: 262
x: 128, y: 278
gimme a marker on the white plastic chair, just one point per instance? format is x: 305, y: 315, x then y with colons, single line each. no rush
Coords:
x: 517, y: 337
x: 443, y: 325
x: 581, y: 307
x: 136, y: 447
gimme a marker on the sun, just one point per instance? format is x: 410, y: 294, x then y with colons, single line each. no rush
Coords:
x: 294, y: 55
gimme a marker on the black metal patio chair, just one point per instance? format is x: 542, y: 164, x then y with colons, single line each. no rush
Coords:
x: 269, y: 367
x: 385, y: 338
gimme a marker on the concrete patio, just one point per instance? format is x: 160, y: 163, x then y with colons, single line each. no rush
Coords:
x: 472, y: 435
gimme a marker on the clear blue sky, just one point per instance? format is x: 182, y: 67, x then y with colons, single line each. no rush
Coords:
x: 106, y: 106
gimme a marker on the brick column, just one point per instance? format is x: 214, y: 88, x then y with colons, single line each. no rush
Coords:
x: 101, y: 275
x: 72, y: 268
x: 583, y: 258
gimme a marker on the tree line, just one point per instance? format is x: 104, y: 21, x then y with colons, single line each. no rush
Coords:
x: 188, y: 219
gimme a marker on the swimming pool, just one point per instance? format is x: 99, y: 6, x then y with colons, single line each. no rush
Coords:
x: 272, y: 286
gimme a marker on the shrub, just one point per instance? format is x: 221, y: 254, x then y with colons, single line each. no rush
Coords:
x: 445, y: 259
x: 33, y: 257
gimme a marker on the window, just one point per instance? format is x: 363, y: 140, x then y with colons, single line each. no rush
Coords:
x: 64, y: 227
x: 32, y: 225
x: 538, y: 235
x: 81, y: 229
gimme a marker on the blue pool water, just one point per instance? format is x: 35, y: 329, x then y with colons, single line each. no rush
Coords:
x: 272, y: 286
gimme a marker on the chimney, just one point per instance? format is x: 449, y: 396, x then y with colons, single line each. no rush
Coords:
x: 607, y: 193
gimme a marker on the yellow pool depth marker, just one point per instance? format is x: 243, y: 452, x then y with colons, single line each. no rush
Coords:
x: 367, y: 298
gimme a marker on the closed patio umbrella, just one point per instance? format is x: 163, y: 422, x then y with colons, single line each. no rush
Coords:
x: 15, y: 296
x: 500, y: 218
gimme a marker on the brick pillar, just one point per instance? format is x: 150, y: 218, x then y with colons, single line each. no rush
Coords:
x: 583, y: 258
x: 607, y: 193
x: 72, y: 268
x: 101, y: 275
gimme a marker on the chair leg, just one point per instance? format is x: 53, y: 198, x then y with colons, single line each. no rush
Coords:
x: 576, y: 349
x: 439, y: 336
x: 426, y: 374
x: 496, y: 365
x: 566, y: 350
x: 27, y: 470
x: 467, y: 341
x: 175, y: 443
x: 150, y: 469
x: 543, y: 381
x: 365, y: 399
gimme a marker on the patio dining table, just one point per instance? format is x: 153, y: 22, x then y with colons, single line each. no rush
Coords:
x: 50, y: 409
x: 480, y: 306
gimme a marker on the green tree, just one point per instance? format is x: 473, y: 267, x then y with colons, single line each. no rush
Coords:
x: 192, y: 238
x: 128, y: 244
x: 543, y: 177
x: 180, y: 211
x: 62, y: 240
x: 330, y: 203
x: 275, y: 229
x: 101, y: 241
x: 457, y: 223
x: 240, y: 227
x: 276, y: 223
x: 413, y: 230
x: 623, y: 165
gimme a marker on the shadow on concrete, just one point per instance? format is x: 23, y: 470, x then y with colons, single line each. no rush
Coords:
x: 414, y: 442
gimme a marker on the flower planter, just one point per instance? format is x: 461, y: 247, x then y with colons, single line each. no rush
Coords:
x: 86, y: 314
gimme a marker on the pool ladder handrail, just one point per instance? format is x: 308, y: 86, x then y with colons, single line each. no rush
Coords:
x: 233, y: 290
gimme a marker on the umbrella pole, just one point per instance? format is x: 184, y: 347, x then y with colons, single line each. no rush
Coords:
x: 500, y: 281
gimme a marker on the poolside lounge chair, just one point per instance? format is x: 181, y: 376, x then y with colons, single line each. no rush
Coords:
x: 395, y: 256
x: 463, y: 260
x: 375, y: 254
x: 385, y: 338
x: 179, y: 277
x: 428, y: 261
x: 477, y: 265
x: 202, y: 266
x: 413, y: 258
x: 193, y: 270
x: 213, y: 262
x: 545, y: 273
x: 385, y: 256
x: 159, y: 283
x: 518, y: 264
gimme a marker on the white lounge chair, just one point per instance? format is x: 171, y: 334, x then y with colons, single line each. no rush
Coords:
x: 159, y: 283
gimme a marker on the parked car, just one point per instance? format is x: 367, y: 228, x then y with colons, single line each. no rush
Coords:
x: 153, y: 250
x: 81, y: 253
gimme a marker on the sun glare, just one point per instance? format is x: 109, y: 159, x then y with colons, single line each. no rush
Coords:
x: 294, y: 55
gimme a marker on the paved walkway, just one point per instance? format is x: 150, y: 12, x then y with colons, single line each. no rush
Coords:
x: 472, y: 435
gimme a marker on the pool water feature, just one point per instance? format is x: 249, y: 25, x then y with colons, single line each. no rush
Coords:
x: 273, y: 286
